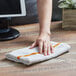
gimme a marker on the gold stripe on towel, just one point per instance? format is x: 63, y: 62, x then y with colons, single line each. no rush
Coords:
x: 18, y: 57
x: 57, y: 44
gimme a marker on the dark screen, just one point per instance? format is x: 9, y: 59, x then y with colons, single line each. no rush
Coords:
x: 10, y: 7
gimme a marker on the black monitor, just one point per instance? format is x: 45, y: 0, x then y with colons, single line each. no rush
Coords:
x: 8, y: 9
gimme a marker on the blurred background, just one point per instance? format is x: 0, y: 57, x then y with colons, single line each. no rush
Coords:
x: 32, y: 16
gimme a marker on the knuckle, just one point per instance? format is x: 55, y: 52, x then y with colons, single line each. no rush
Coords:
x: 40, y: 40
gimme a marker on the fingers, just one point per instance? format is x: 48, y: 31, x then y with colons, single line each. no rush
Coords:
x: 41, y: 47
x: 47, y: 48
x: 33, y: 45
x: 44, y: 47
x: 51, y: 48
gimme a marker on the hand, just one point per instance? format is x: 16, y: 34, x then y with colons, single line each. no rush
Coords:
x: 43, y: 42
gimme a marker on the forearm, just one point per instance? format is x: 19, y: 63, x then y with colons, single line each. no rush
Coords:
x: 45, y: 14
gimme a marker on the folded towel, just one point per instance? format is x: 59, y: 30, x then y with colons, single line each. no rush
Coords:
x: 30, y: 56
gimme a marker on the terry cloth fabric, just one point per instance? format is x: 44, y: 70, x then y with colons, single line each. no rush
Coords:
x: 29, y: 56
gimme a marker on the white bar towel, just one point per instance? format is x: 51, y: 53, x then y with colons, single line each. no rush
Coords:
x: 30, y: 56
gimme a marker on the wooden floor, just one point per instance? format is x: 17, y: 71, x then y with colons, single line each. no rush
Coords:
x: 64, y: 65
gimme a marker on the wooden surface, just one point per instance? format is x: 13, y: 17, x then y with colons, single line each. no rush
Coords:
x: 64, y: 65
x: 69, y: 18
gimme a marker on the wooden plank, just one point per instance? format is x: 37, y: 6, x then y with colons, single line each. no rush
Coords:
x: 63, y: 65
x: 69, y: 18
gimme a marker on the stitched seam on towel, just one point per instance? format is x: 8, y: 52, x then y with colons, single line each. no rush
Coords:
x: 18, y: 57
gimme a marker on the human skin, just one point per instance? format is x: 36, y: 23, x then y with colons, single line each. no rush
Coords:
x: 45, y: 15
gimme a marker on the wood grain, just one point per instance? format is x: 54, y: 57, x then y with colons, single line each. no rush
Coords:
x: 69, y: 18
x: 64, y: 65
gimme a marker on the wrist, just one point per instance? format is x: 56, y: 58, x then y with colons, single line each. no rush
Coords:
x: 45, y: 33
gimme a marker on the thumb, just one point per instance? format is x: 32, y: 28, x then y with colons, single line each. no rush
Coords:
x: 33, y: 45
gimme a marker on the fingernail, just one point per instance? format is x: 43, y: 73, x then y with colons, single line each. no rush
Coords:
x: 47, y: 54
